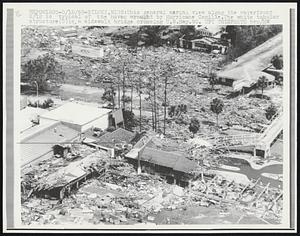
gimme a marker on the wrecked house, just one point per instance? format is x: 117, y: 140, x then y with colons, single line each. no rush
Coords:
x: 115, y: 143
x: 88, y: 51
x: 171, y: 165
x: 245, y: 71
x: 69, y: 178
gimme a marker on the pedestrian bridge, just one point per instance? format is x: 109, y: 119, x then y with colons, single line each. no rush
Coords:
x: 261, y: 142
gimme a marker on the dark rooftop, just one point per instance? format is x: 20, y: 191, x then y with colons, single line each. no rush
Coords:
x: 118, y: 136
x: 174, y: 160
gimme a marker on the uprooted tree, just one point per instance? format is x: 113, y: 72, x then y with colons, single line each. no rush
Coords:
x: 44, y: 70
x: 194, y: 126
x: 216, y: 106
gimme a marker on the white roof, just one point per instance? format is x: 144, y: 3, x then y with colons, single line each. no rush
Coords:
x: 250, y: 79
x: 26, y: 115
x: 75, y: 113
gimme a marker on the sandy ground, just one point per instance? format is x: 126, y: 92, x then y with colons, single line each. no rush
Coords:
x: 206, y: 215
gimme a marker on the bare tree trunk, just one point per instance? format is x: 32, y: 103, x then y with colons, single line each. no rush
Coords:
x: 113, y: 96
x: 140, y: 95
x: 152, y: 115
x: 123, y: 84
x: 155, y: 115
x: 165, y: 105
x: 131, y: 97
x: 119, y: 98
x: 157, y: 111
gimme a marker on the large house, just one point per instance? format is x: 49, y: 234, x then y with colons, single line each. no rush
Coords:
x: 58, y: 126
x: 209, y: 44
x: 246, y: 69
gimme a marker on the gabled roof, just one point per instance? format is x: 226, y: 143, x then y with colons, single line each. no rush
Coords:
x: 118, y: 136
x: 173, y: 160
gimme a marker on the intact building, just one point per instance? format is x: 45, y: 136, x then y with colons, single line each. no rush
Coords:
x: 245, y: 71
x: 79, y: 116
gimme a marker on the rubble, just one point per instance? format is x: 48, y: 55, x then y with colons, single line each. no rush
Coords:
x: 117, y: 194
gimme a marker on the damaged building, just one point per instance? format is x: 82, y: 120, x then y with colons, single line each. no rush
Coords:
x: 62, y: 182
x: 37, y: 143
x: 171, y: 165
x: 115, y: 143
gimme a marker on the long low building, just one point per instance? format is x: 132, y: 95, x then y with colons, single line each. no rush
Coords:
x: 246, y: 69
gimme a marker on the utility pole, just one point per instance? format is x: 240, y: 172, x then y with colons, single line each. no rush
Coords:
x: 113, y: 95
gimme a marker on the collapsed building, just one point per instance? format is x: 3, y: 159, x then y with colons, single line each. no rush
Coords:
x: 66, y: 179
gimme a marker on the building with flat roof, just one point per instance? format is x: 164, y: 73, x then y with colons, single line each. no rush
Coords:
x: 37, y: 143
x: 80, y: 117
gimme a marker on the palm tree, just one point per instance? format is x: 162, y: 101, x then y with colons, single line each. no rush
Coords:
x: 216, y: 106
x: 262, y: 83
